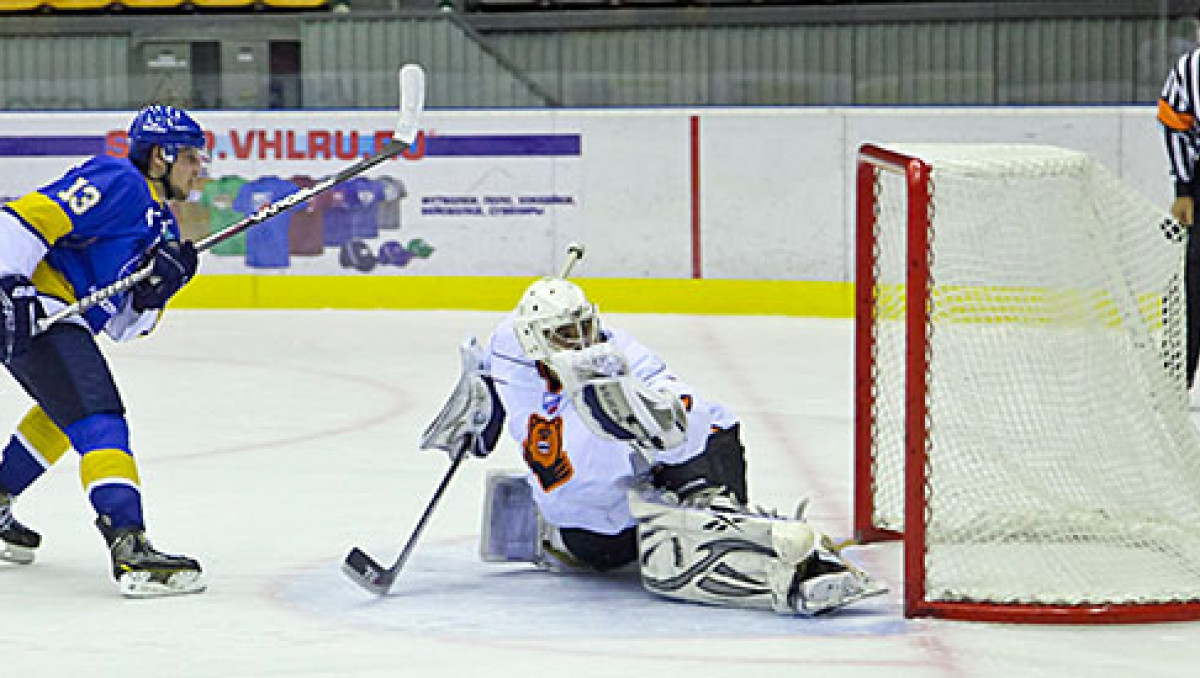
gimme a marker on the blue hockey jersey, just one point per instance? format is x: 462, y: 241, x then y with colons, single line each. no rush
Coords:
x: 97, y: 222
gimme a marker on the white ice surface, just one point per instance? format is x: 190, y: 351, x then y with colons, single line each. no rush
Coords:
x: 271, y: 442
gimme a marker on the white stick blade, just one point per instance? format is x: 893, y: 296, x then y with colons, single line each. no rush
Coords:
x: 412, y: 103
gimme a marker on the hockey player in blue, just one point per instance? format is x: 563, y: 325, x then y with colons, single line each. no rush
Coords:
x: 99, y: 222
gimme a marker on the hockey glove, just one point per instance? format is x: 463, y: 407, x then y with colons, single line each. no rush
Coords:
x: 616, y: 405
x: 19, y: 314
x: 473, y: 416
x: 172, y: 265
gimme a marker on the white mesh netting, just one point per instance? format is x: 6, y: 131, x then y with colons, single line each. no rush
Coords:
x: 1063, y: 467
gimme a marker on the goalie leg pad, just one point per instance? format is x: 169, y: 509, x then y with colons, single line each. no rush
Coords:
x: 514, y: 532
x: 739, y: 559
x: 511, y: 523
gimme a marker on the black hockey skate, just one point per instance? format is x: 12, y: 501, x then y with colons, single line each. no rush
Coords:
x: 142, y: 571
x: 17, y: 542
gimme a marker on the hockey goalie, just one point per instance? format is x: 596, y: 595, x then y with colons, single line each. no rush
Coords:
x: 627, y: 467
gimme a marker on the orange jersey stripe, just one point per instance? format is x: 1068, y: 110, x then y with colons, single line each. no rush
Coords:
x: 1180, y: 122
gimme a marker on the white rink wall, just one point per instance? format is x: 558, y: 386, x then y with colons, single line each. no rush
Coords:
x: 774, y: 190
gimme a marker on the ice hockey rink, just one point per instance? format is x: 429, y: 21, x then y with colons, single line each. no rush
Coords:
x: 270, y: 443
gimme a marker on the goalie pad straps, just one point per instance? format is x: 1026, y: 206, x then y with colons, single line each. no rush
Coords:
x: 473, y: 416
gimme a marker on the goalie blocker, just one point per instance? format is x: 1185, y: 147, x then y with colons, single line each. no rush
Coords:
x: 616, y: 405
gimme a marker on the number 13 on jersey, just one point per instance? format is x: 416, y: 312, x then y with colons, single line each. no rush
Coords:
x: 81, y: 196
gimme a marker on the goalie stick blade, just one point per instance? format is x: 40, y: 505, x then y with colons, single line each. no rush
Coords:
x: 364, y: 571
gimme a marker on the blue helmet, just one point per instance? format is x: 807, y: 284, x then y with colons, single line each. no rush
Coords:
x: 164, y: 126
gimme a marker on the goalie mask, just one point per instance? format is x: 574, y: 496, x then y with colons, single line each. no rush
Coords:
x: 554, y: 315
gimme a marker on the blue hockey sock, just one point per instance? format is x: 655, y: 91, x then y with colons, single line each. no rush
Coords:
x: 107, y: 468
x: 34, y: 447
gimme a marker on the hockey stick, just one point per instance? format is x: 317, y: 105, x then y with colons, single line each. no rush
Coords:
x: 412, y: 104
x: 574, y: 254
x: 369, y: 574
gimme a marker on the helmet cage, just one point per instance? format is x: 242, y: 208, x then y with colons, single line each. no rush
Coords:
x: 554, y: 315
x: 571, y: 335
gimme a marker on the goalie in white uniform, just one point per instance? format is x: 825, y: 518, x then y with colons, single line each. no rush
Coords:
x: 624, y: 460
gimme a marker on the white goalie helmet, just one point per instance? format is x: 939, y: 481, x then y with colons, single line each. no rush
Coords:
x: 555, y: 315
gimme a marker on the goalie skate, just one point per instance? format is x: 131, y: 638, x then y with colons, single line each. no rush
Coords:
x: 817, y: 581
x: 142, y: 571
x: 17, y: 542
x: 711, y: 549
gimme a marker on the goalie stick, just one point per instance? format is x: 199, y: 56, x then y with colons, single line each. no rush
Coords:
x: 412, y: 104
x: 365, y: 571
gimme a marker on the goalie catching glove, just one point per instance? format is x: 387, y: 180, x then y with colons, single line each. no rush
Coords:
x: 472, y: 418
x: 617, y: 405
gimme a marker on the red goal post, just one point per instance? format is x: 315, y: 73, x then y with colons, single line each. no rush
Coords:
x: 1024, y: 428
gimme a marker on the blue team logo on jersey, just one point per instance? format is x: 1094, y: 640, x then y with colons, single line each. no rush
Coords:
x: 551, y: 402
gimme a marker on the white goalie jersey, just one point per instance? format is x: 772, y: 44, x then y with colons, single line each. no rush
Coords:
x: 580, y: 479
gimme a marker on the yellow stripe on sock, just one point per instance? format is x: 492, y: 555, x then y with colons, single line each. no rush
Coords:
x: 43, y: 435
x: 108, y: 464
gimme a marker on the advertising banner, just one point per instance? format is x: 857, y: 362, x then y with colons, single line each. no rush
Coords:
x: 731, y: 193
x: 477, y: 196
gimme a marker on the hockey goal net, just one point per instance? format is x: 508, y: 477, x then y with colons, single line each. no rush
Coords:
x: 1021, y: 420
